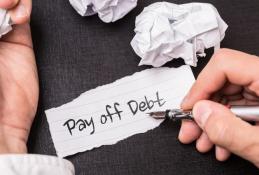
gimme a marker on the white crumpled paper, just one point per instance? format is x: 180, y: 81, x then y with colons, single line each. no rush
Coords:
x: 5, y: 25
x: 166, y: 31
x: 107, y: 10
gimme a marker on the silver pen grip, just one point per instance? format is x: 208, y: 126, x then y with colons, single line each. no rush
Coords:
x: 247, y: 113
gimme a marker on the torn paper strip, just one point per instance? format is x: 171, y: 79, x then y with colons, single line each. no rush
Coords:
x: 166, y: 31
x: 107, y: 10
x: 113, y: 112
x: 5, y: 26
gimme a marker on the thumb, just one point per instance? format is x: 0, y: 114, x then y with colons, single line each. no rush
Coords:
x: 20, y: 14
x: 226, y: 130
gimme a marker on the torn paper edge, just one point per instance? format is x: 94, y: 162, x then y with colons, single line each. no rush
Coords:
x: 114, y: 83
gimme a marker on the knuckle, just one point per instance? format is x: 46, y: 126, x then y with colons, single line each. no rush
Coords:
x: 257, y: 92
x: 251, y: 149
x: 220, y: 54
x: 219, y: 58
x: 254, y: 87
x: 256, y: 162
x: 252, y: 152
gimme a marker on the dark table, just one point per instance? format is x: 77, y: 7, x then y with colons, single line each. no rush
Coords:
x: 76, y: 54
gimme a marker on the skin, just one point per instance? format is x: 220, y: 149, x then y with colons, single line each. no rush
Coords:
x: 231, y: 77
x: 18, y: 79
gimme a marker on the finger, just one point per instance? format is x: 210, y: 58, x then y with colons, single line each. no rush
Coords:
x: 189, y: 132
x: 21, y: 12
x: 222, y: 154
x: 250, y: 96
x: 229, y: 92
x: 217, y: 97
x: 8, y: 4
x: 20, y: 34
x: 225, y: 66
x: 204, y: 144
x: 231, y: 89
x: 226, y: 130
x: 250, y: 91
x: 243, y: 102
x: 234, y: 97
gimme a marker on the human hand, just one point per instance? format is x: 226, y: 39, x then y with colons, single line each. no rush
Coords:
x: 18, y: 79
x: 231, y: 77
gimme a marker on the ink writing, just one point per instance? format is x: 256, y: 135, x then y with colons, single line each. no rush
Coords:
x: 112, y: 114
x: 71, y: 124
x: 145, y: 105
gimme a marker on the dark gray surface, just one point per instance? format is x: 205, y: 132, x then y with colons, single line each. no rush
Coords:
x: 76, y: 54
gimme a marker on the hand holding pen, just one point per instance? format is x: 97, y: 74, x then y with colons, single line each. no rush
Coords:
x: 246, y: 113
x: 232, y: 78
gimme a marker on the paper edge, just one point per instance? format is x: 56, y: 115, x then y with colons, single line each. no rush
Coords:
x: 81, y: 150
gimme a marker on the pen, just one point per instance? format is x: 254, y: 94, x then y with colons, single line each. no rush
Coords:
x: 247, y: 113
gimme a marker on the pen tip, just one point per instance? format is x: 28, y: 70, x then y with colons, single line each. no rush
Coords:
x: 156, y: 115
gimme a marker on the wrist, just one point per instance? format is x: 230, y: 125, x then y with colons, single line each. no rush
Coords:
x: 3, y: 149
x: 13, y: 146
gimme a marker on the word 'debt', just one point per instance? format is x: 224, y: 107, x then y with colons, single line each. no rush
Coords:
x: 112, y: 114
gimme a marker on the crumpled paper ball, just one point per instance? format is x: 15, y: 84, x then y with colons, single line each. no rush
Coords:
x: 166, y: 31
x: 107, y: 10
x: 5, y: 25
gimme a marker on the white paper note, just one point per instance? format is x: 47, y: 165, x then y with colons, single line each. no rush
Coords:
x: 113, y: 112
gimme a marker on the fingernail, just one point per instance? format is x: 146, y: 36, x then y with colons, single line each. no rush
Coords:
x: 201, y: 113
x: 186, y: 99
x: 21, y: 11
x: 180, y: 133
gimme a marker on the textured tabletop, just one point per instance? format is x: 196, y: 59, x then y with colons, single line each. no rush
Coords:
x: 76, y: 54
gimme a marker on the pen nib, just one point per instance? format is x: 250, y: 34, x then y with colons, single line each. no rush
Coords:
x: 175, y: 114
x: 157, y: 115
